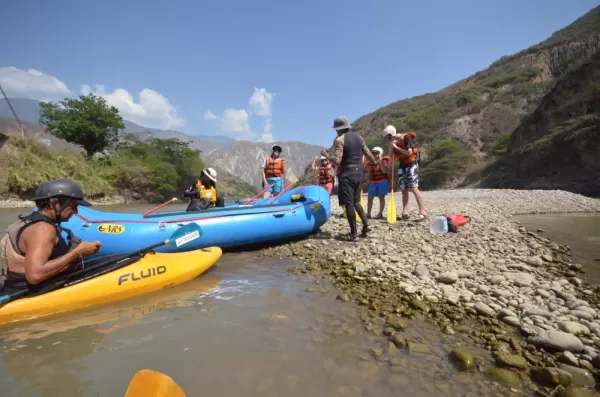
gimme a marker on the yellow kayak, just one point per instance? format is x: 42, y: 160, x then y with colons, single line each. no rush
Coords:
x: 151, y: 273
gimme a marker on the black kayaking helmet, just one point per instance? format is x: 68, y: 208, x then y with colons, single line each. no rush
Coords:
x: 60, y: 189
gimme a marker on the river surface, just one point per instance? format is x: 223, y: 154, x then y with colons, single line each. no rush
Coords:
x: 581, y: 232
x: 247, y: 327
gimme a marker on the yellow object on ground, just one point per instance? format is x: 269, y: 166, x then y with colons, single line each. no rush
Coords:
x: 149, y: 383
x: 151, y: 273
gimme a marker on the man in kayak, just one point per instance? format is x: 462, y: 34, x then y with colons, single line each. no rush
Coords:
x: 203, y: 192
x: 273, y: 172
x: 349, y: 148
x: 379, y: 184
x: 32, y: 249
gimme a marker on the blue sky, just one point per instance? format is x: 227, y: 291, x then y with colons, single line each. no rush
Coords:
x: 193, y: 66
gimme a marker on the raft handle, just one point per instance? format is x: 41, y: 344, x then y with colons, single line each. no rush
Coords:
x: 278, y: 215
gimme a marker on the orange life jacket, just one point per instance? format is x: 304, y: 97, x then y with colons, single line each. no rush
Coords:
x: 324, y: 176
x: 404, y: 159
x: 376, y: 174
x: 274, y: 168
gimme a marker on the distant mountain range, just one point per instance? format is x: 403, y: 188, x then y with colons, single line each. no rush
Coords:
x: 232, y: 159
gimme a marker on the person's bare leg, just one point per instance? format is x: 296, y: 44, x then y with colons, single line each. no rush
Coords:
x: 404, y: 202
x: 419, y: 199
x: 369, y: 206
x: 266, y: 195
x: 381, y: 205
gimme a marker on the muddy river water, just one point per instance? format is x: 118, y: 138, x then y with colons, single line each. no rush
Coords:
x: 246, y: 328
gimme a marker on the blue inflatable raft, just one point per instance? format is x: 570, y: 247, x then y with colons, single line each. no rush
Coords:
x: 297, y: 212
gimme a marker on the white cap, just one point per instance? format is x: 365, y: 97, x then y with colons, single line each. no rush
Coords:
x: 389, y: 130
x: 377, y: 149
x: 211, y: 173
x: 323, y: 158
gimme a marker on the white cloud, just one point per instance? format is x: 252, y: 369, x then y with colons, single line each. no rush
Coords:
x: 152, y: 110
x: 235, y: 123
x: 32, y: 84
x: 260, y: 101
x: 209, y: 115
x: 267, y: 135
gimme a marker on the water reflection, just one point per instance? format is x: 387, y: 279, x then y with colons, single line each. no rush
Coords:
x: 45, y: 355
x: 245, y: 328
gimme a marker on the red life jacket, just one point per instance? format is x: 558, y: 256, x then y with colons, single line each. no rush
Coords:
x: 376, y: 174
x: 324, y: 176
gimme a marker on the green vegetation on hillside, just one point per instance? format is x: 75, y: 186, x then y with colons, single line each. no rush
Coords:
x: 149, y: 170
x: 152, y: 171
x: 480, y: 112
x: 447, y: 159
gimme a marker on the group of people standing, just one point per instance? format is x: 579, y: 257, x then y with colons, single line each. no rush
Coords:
x: 348, y: 159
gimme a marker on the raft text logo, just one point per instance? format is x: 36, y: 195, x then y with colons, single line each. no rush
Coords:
x: 110, y: 228
x: 137, y: 276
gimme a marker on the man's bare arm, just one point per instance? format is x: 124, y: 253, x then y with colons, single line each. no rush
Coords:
x: 367, y: 152
x: 38, y: 241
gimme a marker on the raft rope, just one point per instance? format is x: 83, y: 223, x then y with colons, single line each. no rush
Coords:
x: 191, y: 219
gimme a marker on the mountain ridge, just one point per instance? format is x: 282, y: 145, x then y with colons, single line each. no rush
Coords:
x: 465, y: 126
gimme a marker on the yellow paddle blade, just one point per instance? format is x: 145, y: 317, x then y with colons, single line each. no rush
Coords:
x: 149, y: 383
x: 391, y: 213
x: 362, y: 204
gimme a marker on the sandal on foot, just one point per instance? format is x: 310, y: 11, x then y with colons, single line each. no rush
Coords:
x: 366, y: 229
x: 420, y: 217
x: 348, y: 237
x: 379, y: 216
x: 405, y: 217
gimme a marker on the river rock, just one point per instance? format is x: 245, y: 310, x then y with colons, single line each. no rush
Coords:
x: 568, y: 358
x: 577, y: 392
x: 533, y: 261
x: 557, y: 341
x: 549, y: 376
x: 482, y: 308
x: 448, y: 277
x: 573, y: 327
x: 504, y: 376
x: 510, y: 320
x: 496, y: 279
x: 462, y: 358
x: 581, y: 377
x: 582, y: 314
x: 421, y: 271
x: 537, y: 312
x: 511, y: 361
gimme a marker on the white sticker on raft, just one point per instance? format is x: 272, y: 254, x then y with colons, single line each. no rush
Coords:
x: 187, y: 238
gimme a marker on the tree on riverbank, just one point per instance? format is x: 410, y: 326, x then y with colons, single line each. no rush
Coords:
x: 87, y: 121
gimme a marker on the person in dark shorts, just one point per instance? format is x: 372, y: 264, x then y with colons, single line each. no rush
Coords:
x: 405, y: 151
x: 349, y: 148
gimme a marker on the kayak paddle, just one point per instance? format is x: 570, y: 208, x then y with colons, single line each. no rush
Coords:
x: 391, y: 213
x: 149, y: 383
x: 181, y: 236
x: 362, y: 183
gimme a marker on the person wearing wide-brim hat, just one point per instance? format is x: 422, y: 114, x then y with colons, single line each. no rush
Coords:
x: 273, y: 172
x: 349, y: 148
x: 203, y: 191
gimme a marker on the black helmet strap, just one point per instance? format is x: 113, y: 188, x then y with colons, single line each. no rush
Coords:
x: 63, y: 204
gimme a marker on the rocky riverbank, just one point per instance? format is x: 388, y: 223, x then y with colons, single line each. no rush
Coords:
x: 513, y: 291
x: 15, y: 202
